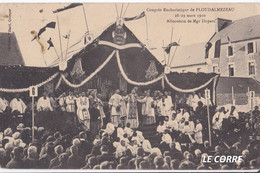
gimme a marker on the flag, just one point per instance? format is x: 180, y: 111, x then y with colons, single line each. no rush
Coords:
x: 49, y: 25
x: 207, y: 47
x: 73, y: 5
x: 228, y: 39
x: 168, y: 48
x: 136, y: 17
x: 50, y: 43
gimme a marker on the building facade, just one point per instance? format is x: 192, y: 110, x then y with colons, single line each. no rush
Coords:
x: 234, y: 48
x: 232, y: 51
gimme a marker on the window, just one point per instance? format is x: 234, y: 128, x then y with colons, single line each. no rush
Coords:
x: 231, y: 70
x: 217, y: 49
x: 230, y: 51
x: 250, y: 48
x: 251, y: 68
x: 198, y: 70
x: 215, y: 69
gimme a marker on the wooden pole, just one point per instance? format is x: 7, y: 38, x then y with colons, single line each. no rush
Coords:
x: 33, y: 118
x: 85, y: 17
x: 209, y: 126
x: 170, y: 48
x: 164, y: 53
x: 60, y: 39
x: 67, y: 46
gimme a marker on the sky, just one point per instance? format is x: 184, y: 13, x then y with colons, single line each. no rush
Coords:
x: 24, y: 19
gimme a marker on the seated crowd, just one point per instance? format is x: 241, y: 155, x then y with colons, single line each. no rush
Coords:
x: 121, y: 144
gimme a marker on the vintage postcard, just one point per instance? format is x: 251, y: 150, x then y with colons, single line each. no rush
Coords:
x: 130, y: 86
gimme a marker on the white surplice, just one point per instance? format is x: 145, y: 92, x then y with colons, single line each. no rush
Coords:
x: 44, y: 104
x: 18, y: 105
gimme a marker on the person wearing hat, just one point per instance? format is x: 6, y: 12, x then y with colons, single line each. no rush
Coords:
x: 132, y: 110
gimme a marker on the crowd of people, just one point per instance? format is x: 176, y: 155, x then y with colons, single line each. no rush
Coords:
x: 114, y: 139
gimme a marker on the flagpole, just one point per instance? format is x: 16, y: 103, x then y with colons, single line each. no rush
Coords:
x: 67, y: 45
x: 125, y: 10
x: 56, y: 52
x: 170, y: 48
x: 44, y: 59
x: 121, y: 10
x: 60, y: 39
x: 147, y: 36
x: 85, y: 17
x: 164, y: 52
x: 174, y: 51
x: 116, y: 11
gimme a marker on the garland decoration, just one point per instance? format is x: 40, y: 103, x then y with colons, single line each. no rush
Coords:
x: 188, y: 90
x: 120, y: 47
x: 20, y: 90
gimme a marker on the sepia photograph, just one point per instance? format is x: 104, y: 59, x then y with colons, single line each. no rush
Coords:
x: 130, y: 87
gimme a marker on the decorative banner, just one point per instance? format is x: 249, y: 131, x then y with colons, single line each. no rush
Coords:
x: 129, y: 80
x: 77, y: 70
x: 91, y: 75
x: 151, y: 72
x: 49, y: 87
x: 119, y: 35
x: 19, y: 90
x: 120, y: 47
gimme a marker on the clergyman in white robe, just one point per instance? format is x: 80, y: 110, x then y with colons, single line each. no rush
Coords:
x: 17, y: 104
x: 115, y: 103
x: 44, y: 104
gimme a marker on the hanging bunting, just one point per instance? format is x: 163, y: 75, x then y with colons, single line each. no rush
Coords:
x: 19, y: 90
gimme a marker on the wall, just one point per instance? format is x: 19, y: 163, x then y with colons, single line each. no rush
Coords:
x: 240, y: 59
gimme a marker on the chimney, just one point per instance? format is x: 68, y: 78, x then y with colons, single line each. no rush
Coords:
x: 221, y: 24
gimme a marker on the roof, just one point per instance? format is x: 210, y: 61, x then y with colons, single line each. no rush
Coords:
x: 239, y: 30
x: 189, y: 55
x: 10, y: 53
x: 239, y: 84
